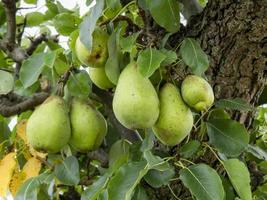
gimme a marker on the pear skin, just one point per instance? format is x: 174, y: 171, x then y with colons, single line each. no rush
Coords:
x: 135, y: 102
x: 197, y: 93
x: 99, y: 78
x: 175, y: 119
x: 97, y: 57
x: 48, y: 128
x: 88, y: 125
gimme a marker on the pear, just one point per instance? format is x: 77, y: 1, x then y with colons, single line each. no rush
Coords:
x: 89, y: 127
x: 99, y: 78
x: 197, y: 93
x: 97, y: 57
x: 48, y: 128
x: 135, y: 102
x: 175, y: 119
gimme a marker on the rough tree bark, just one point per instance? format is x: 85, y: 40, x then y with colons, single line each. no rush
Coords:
x: 234, y: 36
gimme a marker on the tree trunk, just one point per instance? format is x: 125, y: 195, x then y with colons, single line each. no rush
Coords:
x: 234, y: 35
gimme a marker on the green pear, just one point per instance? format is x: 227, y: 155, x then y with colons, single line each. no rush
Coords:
x: 88, y: 125
x: 97, y: 57
x: 99, y: 78
x: 197, y: 93
x: 48, y: 128
x: 175, y: 119
x: 135, y: 102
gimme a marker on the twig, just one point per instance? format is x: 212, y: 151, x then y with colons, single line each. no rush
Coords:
x: 12, y: 104
x: 122, y: 18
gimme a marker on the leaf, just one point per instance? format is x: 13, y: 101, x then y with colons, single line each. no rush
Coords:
x: 88, y: 25
x: 203, y: 182
x: 228, y: 136
x: 79, y: 84
x: 34, y: 19
x: 190, y: 148
x: 28, y: 190
x: 2, y: 14
x: 140, y: 193
x: 156, y: 162
x: 148, y: 142
x: 157, y: 178
x: 6, y: 82
x: 7, y: 167
x: 112, y: 66
x: 94, y: 190
x: 127, y: 43
x: 66, y: 23
x: 30, y: 1
x: 113, y: 4
x: 165, y: 13
x: 194, y: 56
x: 149, y: 61
x: 228, y: 189
x: 170, y: 58
x: 239, y: 177
x: 31, y: 69
x: 122, y: 185
x: 68, y: 171
x: 234, y: 104
x: 257, y: 151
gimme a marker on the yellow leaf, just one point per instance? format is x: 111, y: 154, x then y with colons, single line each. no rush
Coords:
x: 21, y: 130
x: 30, y: 169
x: 7, y: 168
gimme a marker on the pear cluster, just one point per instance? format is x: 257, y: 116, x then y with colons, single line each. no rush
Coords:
x: 51, y: 126
x: 137, y: 105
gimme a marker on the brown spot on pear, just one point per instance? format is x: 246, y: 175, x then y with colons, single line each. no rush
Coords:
x: 89, y: 127
x: 135, y: 102
x: 175, y: 119
x: 197, y: 93
x: 48, y: 128
x: 97, y: 57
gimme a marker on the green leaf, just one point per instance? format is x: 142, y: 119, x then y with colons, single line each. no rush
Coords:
x: 140, y: 193
x: 218, y: 113
x: 6, y: 82
x: 165, y: 13
x: 35, y: 19
x: 190, y: 148
x: 194, y: 56
x: 157, y: 178
x: 122, y: 185
x: 239, y: 177
x: 113, y: 4
x: 228, y: 136
x: 148, y: 142
x: 2, y: 14
x: 261, y: 192
x: 257, y: 152
x: 149, y: 61
x: 127, y: 43
x: 203, y: 182
x: 119, y: 150
x: 31, y: 69
x: 94, y: 190
x: 30, y: 1
x: 66, y: 23
x: 88, y: 25
x: 112, y: 66
x: 171, y: 57
x: 79, y: 85
x: 228, y: 189
x: 68, y: 171
x: 28, y: 190
x: 156, y: 162
x: 234, y: 104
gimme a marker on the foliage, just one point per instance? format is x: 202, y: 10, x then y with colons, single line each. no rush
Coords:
x: 216, y: 161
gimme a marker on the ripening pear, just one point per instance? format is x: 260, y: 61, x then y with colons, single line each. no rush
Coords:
x: 197, y: 93
x: 97, y: 57
x: 135, y: 102
x: 88, y: 125
x: 48, y: 128
x: 175, y: 119
x: 99, y: 78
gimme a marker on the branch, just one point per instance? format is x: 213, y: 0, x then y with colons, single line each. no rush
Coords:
x: 10, y: 9
x: 12, y: 104
x: 106, y: 98
x: 42, y: 38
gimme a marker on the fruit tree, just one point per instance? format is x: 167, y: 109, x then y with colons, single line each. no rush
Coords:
x: 145, y: 100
